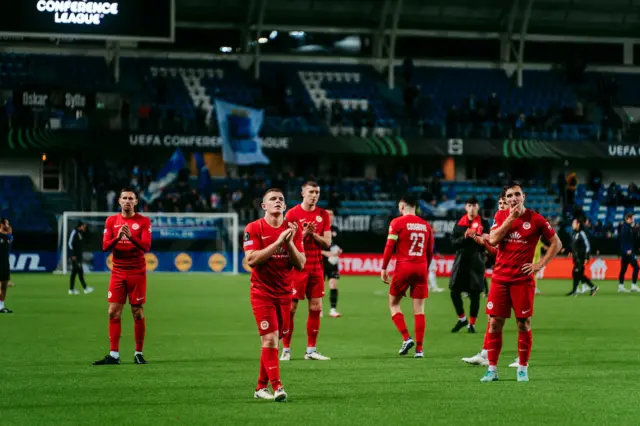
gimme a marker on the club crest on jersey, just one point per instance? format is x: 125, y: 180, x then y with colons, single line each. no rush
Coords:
x: 264, y: 325
x: 135, y: 227
x: 247, y: 236
x: 490, y: 305
x: 318, y: 219
x: 526, y: 225
x: 475, y: 225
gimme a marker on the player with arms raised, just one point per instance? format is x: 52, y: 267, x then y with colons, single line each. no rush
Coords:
x: 315, y: 224
x: 411, y: 239
x: 272, y: 247
x: 516, y: 233
x: 128, y: 235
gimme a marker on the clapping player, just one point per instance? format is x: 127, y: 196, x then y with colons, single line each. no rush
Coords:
x: 128, y: 235
x: 5, y: 270
x: 315, y: 225
x: 273, y: 248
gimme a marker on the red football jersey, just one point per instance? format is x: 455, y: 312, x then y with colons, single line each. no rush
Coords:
x: 414, y: 239
x: 272, y: 277
x: 127, y: 255
x: 312, y: 250
x: 519, y: 246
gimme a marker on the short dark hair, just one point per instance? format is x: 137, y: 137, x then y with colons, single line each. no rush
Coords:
x: 127, y: 189
x: 310, y: 183
x: 3, y: 220
x: 410, y: 200
x: 503, y: 194
x: 580, y: 221
x: 270, y: 190
x: 628, y: 215
x: 472, y: 200
x: 511, y: 185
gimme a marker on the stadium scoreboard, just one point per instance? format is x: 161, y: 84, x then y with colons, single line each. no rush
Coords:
x: 117, y: 20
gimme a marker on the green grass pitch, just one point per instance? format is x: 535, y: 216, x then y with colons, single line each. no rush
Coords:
x: 203, y: 350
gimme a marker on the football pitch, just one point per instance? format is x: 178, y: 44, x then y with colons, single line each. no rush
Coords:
x: 203, y: 352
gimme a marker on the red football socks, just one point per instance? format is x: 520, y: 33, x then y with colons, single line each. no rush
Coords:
x: 139, y: 329
x: 486, y: 337
x: 263, y: 377
x: 115, y: 330
x: 494, y: 346
x: 286, y: 339
x: 398, y: 320
x: 313, y: 328
x: 269, y: 361
x: 420, y: 326
x: 525, y: 340
x: 472, y: 320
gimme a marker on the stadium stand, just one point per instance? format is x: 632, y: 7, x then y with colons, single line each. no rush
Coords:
x: 20, y: 202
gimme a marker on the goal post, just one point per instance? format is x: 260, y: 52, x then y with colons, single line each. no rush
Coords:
x: 181, y: 242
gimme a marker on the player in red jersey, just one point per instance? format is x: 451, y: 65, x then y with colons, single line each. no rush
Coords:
x: 128, y: 235
x: 411, y: 239
x: 273, y: 247
x: 316, y: 231
x: 516, y: 233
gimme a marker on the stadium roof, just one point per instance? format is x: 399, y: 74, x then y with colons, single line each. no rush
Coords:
x: 595, y: 18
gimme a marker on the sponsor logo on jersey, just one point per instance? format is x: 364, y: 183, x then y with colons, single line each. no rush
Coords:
x: 515, y: 236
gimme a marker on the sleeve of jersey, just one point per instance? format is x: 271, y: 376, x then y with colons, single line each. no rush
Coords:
x: 298, y: 241
x: 108, y: 239
x: 390, y: 247
x: 144, y: 242
x: 430, y: 245
x: 498, y: 219
x: 290, y: 216
x: 545, y: 228
x: 327, y: 222
x: 250, y: 239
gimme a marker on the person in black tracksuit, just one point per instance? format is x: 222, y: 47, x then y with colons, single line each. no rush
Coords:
x: 467, y: 273
x: 331, y: 266
x: 627, y: 236
x: 76, y: 249
x: 580, y: 251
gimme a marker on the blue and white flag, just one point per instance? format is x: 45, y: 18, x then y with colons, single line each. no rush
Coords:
x: 166, y: 176
x: 239, y: 129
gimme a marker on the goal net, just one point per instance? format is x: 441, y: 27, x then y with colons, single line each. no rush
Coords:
x: 181, y: 242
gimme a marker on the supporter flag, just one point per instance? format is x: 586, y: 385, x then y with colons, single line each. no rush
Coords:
x: 166, y: 176
x: 239, y: 129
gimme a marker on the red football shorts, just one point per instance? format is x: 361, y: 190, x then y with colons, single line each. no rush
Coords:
x: 307, y: 284
x: 410, y: 276
x: 504, y: 296
x: 123, y: 284
x: 272, y: 313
